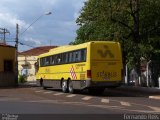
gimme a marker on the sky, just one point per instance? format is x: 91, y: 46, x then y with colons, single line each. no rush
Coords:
x: 58, y: 29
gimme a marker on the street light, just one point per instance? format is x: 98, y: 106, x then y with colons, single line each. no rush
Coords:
x: 17, y: 38
x: 47, y: 13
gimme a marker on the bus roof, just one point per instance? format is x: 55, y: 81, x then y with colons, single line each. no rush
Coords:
x: 68, y: 48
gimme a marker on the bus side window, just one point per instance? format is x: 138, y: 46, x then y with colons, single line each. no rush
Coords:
x: 66, y: 58
x: 74, y: 57
x: 42, y: 62
x: 77, y: 56
x: 62, y: 58
x: 59, y: 59
x: 70, y: 57
x: 47, y: 61
x: 52, y: 60
x: 55, y: 59
x: 83, y: 55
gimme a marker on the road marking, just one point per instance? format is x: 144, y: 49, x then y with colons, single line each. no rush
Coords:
x: 156, y: 109
x: 125, y: 103
x: 122, y: 108
x: 76, y: 103
x: 58, y: 94
x: 105, y: 100
x: 45, y: 101
x: 104, y: 106
x: 86, y: 98
x: 71, y: 95
x: 39, y: 91
x: 48, y: 92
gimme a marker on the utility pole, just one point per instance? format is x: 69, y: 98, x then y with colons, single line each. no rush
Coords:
x: 4, y: 32
x: 16, y: 46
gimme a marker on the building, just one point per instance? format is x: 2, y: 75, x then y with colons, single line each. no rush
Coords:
x: 7, y: 65
x: 27, y: 60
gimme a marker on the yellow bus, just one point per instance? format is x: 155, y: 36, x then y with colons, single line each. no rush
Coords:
x: 93, y: 65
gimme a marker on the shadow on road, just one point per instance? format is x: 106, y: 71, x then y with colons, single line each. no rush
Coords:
x: 110, y: 92
x: 121, y: 92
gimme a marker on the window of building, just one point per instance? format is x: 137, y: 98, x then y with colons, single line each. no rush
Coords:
x: 8, y: 66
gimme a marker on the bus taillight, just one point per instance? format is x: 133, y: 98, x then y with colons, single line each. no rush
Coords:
x: 89, y: 74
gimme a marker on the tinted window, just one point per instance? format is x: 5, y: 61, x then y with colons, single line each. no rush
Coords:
x: 70, y: 57
x: 47, y: 61
x: 64, y: 58
x: 83, y: 55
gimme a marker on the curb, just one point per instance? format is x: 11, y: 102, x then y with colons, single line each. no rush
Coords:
x: 154, y: 97
x: 29, y: 84
x: 141, y: 89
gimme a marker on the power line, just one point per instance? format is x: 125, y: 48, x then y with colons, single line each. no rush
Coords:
x: 4, y: 32
x: 48, y: 13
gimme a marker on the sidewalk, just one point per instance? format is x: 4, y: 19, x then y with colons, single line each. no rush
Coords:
x: 142, y: 89
x: 29, y: 84
x: 153, y: 93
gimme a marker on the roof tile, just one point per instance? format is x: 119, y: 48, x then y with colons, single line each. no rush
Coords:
x: 37, y: 51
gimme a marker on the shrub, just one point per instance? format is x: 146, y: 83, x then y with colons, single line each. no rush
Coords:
x: 21, y: 79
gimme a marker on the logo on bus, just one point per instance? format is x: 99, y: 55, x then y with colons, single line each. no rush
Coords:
x: 106, y: 52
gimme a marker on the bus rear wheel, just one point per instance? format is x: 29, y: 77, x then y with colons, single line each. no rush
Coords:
x: 70, y: 87
x: 64, y: 86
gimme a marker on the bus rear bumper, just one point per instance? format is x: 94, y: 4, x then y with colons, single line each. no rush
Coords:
x: 107, y: 84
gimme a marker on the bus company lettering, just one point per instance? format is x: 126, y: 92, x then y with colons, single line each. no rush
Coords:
x: 78, y: 66
x: 106, y: 75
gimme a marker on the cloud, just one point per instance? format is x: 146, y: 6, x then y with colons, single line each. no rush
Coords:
x: 17, y: 11
x: 78, y: 6
x: 31, y: 42
x: 60, y: 27
x: 9, y: 21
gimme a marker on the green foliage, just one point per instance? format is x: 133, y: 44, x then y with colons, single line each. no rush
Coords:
x: 21, y: 79
x: 134, y: 23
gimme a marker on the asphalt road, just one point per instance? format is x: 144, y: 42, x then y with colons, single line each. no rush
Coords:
x: 35, y: 100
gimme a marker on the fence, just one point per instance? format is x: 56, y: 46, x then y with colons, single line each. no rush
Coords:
x: 148, y: 77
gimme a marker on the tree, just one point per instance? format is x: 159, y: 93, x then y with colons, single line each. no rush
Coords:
x: 134, y: 23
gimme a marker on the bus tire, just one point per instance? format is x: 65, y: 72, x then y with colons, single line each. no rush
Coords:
x: 41, y: 82
x: 64, y: 86
x: 70, y: 87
